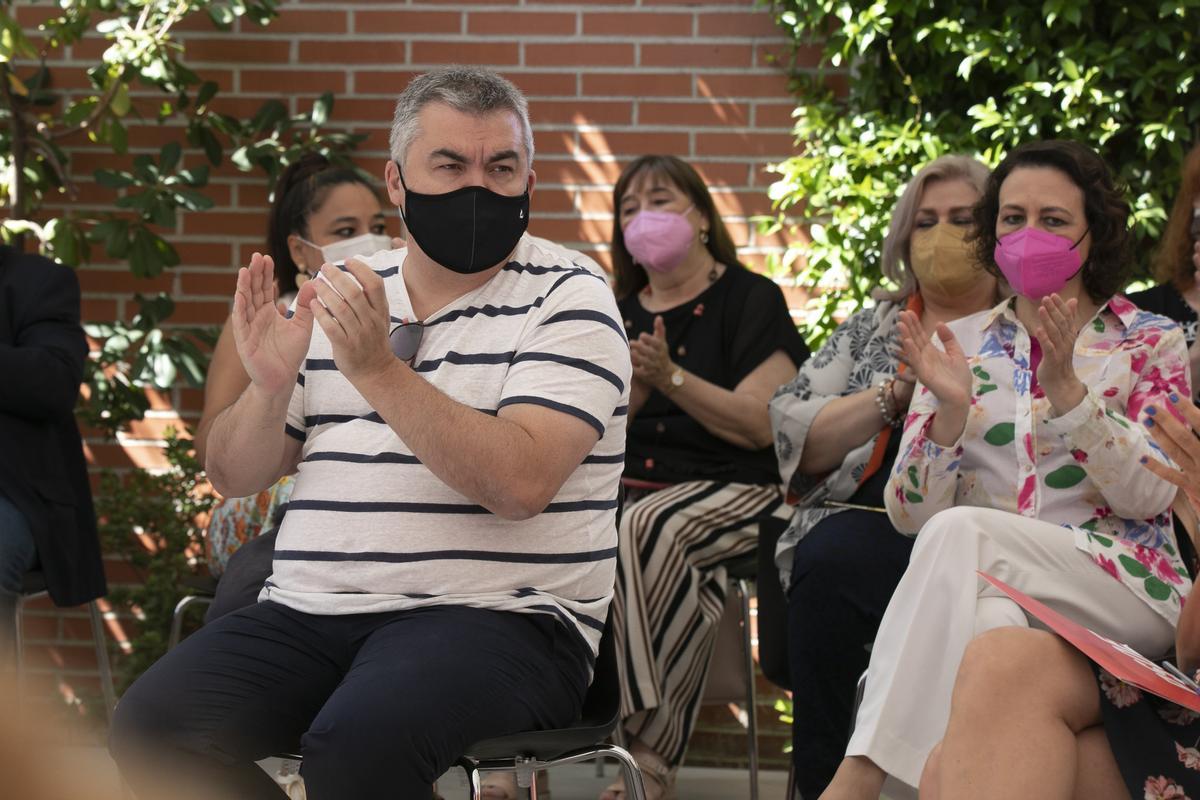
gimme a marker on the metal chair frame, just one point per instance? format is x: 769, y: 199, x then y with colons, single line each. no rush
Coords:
x: 34, y: 588
x: 743, y: 586
x: 177, y: 615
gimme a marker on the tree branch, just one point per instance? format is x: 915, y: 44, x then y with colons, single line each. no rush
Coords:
x: 98, y: 112
x: 52, y: 159
x: 16, y: 191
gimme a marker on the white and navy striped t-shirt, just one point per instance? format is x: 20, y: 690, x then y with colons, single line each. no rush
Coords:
x: 370, y: 529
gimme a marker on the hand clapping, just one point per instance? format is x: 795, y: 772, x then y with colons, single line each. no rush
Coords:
x: 943, y: 371
x: 270, y: 344
x: 651, y: 360
x: 352, y: 309
x: 1056, y: 334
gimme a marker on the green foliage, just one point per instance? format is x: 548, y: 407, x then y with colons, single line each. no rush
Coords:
x: 927, y: 78
x: 140, y: 354
x: 786, y: 715
x: 150, y: 519
x: 36, y: 121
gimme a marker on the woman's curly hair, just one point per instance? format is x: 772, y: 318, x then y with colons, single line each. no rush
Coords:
x: 1109, y: 261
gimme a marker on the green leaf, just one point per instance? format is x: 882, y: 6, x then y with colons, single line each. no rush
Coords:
x: 322, y: 108
x: 1066, y: 476
x: 1157, y: 589
x: 913, y: 497
x: 1000, y: 434
x: 1103, y: 540
x: 914, y: 476
x: 1134, y: 567
x: 121, y: 104
x: 113, y: 179
x: 985, y: 388
x: 168, y: 157
x: 208, y: 90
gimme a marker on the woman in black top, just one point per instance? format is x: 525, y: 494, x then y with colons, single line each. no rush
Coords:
x: 710, y: 343
x: 1177, y: 265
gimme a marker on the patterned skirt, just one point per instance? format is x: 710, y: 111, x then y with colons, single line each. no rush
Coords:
x: 1156, y: 743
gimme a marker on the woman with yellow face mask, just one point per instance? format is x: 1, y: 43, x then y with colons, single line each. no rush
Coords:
x: 837, y: 431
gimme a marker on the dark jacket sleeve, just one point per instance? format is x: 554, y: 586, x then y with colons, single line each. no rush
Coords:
x: 44, y: 366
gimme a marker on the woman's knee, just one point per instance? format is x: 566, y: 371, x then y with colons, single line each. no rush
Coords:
x: 997, y: 666
x: 957, y: 532
x: 826, y: 557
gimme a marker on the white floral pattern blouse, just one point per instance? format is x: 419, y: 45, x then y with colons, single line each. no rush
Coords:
x: 1081, y: 469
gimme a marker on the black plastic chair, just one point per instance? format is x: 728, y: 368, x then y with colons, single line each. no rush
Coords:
x: 526, y: 753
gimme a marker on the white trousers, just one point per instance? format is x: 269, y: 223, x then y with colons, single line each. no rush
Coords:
x: 941, y: 605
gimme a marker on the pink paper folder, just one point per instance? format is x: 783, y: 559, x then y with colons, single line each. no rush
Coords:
x: 1121, y: 660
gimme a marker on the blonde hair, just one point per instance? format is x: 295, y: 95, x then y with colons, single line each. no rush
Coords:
x: 894, y: 264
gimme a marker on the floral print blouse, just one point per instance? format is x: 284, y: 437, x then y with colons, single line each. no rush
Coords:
x: 858, y: 355
x: 1081, y: 469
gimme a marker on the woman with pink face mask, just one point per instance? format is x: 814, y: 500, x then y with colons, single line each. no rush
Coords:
x: 710, y: 342
x: 1020, y: 457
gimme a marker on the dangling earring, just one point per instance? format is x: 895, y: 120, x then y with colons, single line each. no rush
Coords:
x: 712, y: 273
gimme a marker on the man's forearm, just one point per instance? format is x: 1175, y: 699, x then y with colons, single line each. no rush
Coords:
x: 246, y: 443
x: 480, y: 456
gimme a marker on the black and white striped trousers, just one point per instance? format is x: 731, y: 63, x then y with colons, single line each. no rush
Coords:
x: 670, y: 592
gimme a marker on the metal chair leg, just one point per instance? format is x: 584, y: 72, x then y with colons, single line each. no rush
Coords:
x: 474, y: 786
x: 858, y: 696
x: 743, y: 587
x: 791, y: 783
x: 102, y: 660
x: 19, y: 645
x: 634, y: 788
x: 177, y: 617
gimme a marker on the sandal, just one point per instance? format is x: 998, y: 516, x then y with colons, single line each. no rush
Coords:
x: 503, y: 786
x: 656, y: 775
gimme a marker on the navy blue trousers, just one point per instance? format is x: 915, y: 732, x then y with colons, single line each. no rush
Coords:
x: 843, y: 575
x: 379, y: 705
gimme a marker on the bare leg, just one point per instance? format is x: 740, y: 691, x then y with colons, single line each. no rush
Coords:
x: 1012, y: 736
x: 931, y: 775
x: 1099, y: 778
x: 857, y: 778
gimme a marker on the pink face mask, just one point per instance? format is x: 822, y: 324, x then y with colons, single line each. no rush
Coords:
x: 1037, y: 263
x: 659, y: 240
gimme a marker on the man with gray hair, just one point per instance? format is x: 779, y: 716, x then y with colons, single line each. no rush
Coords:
x: 456, y: 420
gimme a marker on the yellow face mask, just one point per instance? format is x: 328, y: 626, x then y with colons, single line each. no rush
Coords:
x: 942, y: 260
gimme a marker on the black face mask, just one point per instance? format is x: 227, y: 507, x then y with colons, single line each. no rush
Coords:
x: 468, y: 230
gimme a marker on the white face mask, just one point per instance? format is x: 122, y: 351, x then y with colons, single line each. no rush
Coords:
x: 365, y: 245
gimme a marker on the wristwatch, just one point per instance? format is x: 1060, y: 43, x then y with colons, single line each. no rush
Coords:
x: 676, y: 380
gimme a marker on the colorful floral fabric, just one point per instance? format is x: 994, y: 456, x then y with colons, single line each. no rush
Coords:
x: 237, y: 520
x: 1154, y: 741
x: 1080, y: 469
x: 859, y: 354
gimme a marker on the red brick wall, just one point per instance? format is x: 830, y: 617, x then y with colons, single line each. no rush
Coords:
x: 607, y: 80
